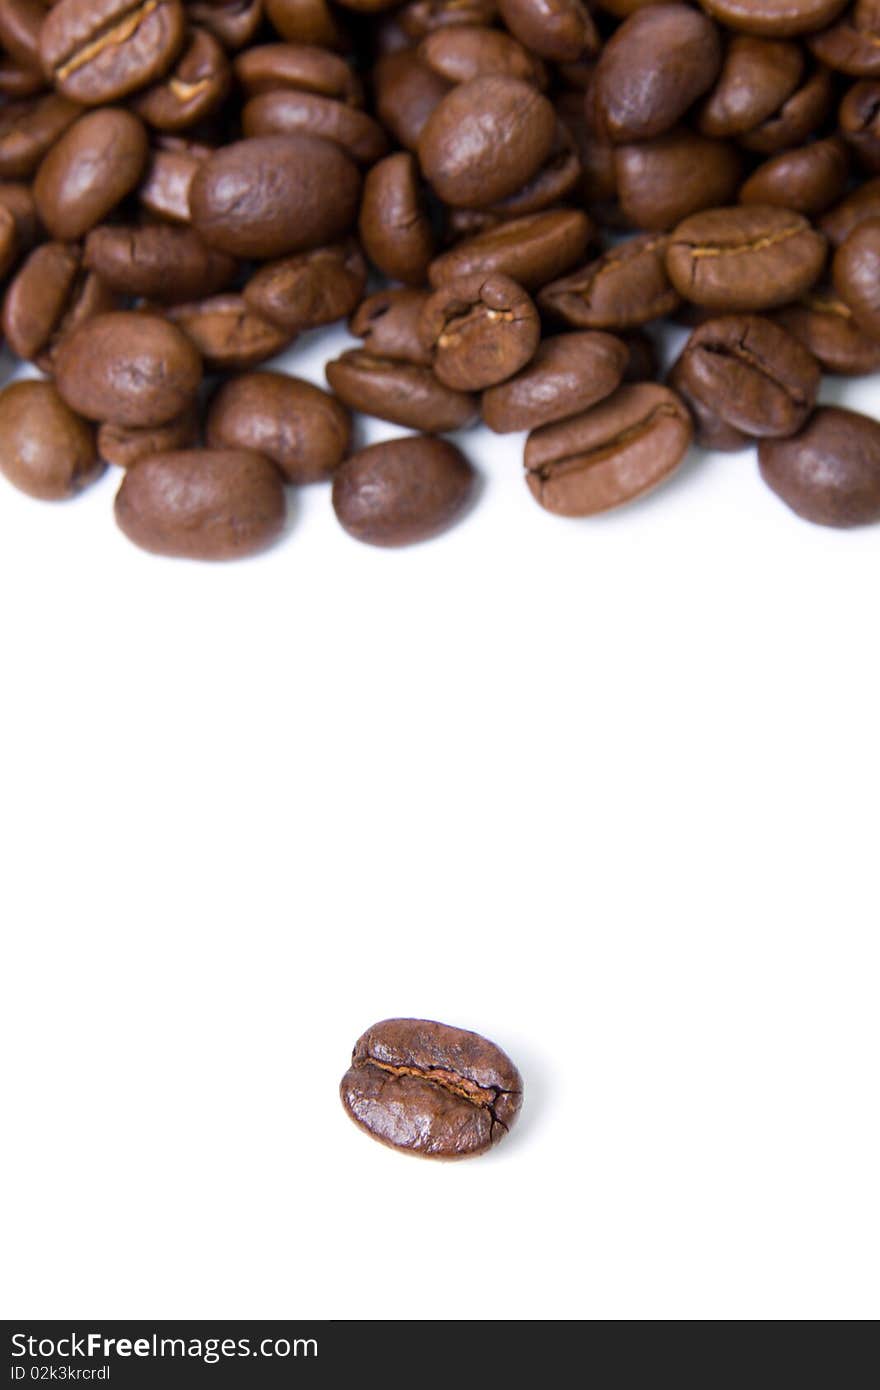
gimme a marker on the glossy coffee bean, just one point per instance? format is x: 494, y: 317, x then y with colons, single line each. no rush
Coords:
x: 710, y: 431
x: 406, y: 92
x: 394, y: 226
x: 480, y: 330
x: 775, y: 18
x: 50, y: 296
x: 568, y: 374
x: 402, y: 392
x: 531, y: 250
x: 202, y: 504
x: 552, y: 183
x: 799, y: 116
x: 272, y: 67
x: 20, y: 24
x: 757, y: 77
x: 402, y: 491
x: 561, y: 30
x: 29, y: 129
x: 861, y: 205
x: 164, y: 190
x: 826, y: 327
x: 855, y: 271
x: 289, y: 112
x: 744, y: 258
x: 850, y: 45
x: 193, y: 89
x: 124, y: 446
x: 95, y: 51
x: 305, y: 21
x: 232, y: 22
x: 301, y: 428
x: 626, y: 287
x: 311, y: 289
x: 653, y: 68
x: 128, y: 368
x: 660, y: 182
x: 169, y: 264
x: 611, y: 454
x: 388, y: 323
x: 752, y: 374
x: 860, y: 123
x: 461, y: 53
x: 45, y: 449
x: 89, y: 170
x: 806, y: 180
x: 430, y: 1089
x: 227, y: 333
x: 830, y: 472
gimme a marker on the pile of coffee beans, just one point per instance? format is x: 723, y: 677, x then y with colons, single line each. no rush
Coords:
x: 502, y: 198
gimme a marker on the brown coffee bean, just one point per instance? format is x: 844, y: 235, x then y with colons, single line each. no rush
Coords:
x: 128, y: 368
x: 193, y: 89
x: 653, y: 68
x: 430, y: 1089
x: 807, y: 180
x: 860, y: 124
x: 421, y: 17
x: 125, y: 446
x: 232, y: 22
x: 305, y: 21
x: 29, y: 129
x: 90, y: 169
x: 560, y: 30
x: 757, y: 77
x: 20, y: 24
x: 228, y: 334
x: 480, y: 330
x: 850, y: 45
x: 625, y: 288
x: 825, y: 325
x: 311, y: 289
x: 855, y: 271
x: 388, y: 322
x: 531, y: 250
x: 743, y: 258
x: 860, y: 205
x: 796, y: 119
x: 406, y: 93
x: 611, y: 454
x: 463, y: 52
x: 567, y: 375
x: 557, y: 177
x: 45, y: 449
x: 164, y: 189
x: 48, y: 298
x: 710, y: 431
x: 752, y: 374
x: 660, y: 182
x: 299, y: 427
x: 97, y: 51
x: 240, y: 198
x: 401, y: 392
x: 485, y: 139
x: 775, y: 18
x: 830, y: 472
x: 16, y: 83
x: 288, y: 112
x: 202, y: 504
x: 167, y: 264
x: 402, y: 491
x: 394, y: 226
x: 271, y: 67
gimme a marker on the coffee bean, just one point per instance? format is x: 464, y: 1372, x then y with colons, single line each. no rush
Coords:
x: 401, y: 392
x: 128, y: 368
x: 551, y: 184
x: 430, y: 1089
x: 125, y: 446
x: 710, y: 431
x: 624, y: 288
x: 402, y: 491
x: 850, y: 45
x: 660, y: 182
x: 480, y: 330
x: 288, y: 112
x: 20, y: 24
x: 826, y: 327
x: 227, y: 332
x: 807, y: 180
x: 859, y: 123
x: 90, y: 169
x: 45, y: 449
x: 752, y: 374
x: 830, y: 472
x: 241, y: 196
x: 796, y: 119
x: 860, y: 205
x: 394, y: 226
x: 272, y: 67
x: 97, y: 51
x: 388, y: 322
x: 163, y: 263
x: 531, y: 250
x: 232, y: 22
x: 18, y: 201
x: 775, y: 17
x: 299, y: 427
x: 567, y: 375
x: 202, y: 504
x: 305, y: 21
x: 165, y: 187
x: 744, y: 257
x: 462, y: 53
x: 653, y: 68
x: 611, y: 454
x: 757, y: 77
x: 406, y: 93
x: 48, y: 298
x: 192, y: 90
x: 561, y: 30
x: 311, y: 289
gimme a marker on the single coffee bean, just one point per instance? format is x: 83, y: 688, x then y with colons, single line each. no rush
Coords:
x: 401, y: 392
x: 232, y: 22
x: 420, y: 17
x: 625, y: 288
x: 128, y: 368
x: 860, y: 205
x: 653, y: 68
x: 125, y: 446
x: 485, y: 139
x: 481, y: 331
x: 752, y: 374
x: 807, y: 180
x: 289, y: 112
x: 611, y: 454
x: 29, y: 129
x: 757, y: 77
x: 311, y: 289
x: 859, y: 123
x: 394, y: 226
x: 710, y: 431
x: 96, y: 51
x: 240, y: 198
x: 402, y: 491
x: 90, y: 169
x: 464, y: 52
x: 743, y: 258
x: 799, y: 116
x: 388, y: 322
x: 202, y: 504
x: 299, y: 427
x: 164, y: 189
x: 560, y: 30
x: 531, y: 250
x: 826, y: 327
x: 567, y: 375
x: 45, y: 449
x: 228, y: 334
x: 193, y: 89
x: 20, y: 24
x: 272, y: 67
x: 557, y: 177
x: 306, y: 21
x: 430, y: 1089
x: 855, y: 271
x: 830, y: 472
x: 775, y: 18
x: 406, y: 93
x: 850, y: 45
x: 168, y: 264
x: 48, y: 298
x: 660, y: 182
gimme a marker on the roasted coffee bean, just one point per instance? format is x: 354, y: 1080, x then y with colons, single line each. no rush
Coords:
x: 228, y: 334
x: 797, y: 118
x: 830, y: 472
x: 611, y: 454
x: 311, y: 289
x: 653, y: 68
x: 232, y: 22
x: 388, y: 322
x: 20, y: 24
x: 481, y: 331
x: 406, y: 94
x: 402, y: 491
x: 775, y: 18
x: 273, y: 66
x: 16, y: 83
x: 420, y: 17
x: 202, y: 504
x: 240, y: 198
x: 401, y: 392
x: 430, y: 1089
x: 850, y: 45
x: 757, y: 77
x: 305, y: 21
x: 744, y: 258
x: 807, y: 180
x: 394, y: 226
x: 304, y: 113
x: 97, y: 51
x: 128, y: 368
x: 660, y: 182
x: 710, y: 431
x: 299, y: 427
x: 125, y: 446
x: 859, y: 119
x: 860, y: 205
x: 752, y: 374
x: 461, y: 53
x: 855, y: 271
x: 561, y: 30
x: 89, y: 170
x: 168, y: 264
x: 45, y: 449
x: 485, y: 139
x: 164, y: 189
x: 567, y: 375
x: 625, y: 288
x: 825, y: 325
x: 192, y: 90
x: 557, y: 177
x: 29, y: 129
x: 531, y: 250
x: 50, y: 295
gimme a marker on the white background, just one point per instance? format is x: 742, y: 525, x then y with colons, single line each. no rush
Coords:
x: 605, y: 791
